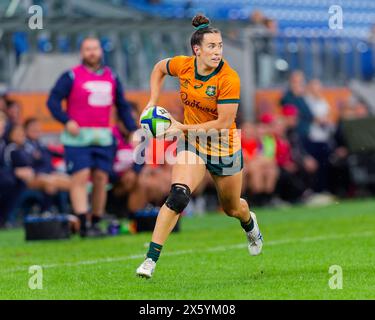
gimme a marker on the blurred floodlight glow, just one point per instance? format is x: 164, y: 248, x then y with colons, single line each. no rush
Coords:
x: 281, y: 65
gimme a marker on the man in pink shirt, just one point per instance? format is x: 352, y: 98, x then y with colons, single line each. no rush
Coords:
x: 90, y: 90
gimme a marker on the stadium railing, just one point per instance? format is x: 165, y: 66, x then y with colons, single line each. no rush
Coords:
x: 133, y: 52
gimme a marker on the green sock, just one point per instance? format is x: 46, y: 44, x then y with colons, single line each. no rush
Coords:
x: 154, y: 251
x: 248, y: 226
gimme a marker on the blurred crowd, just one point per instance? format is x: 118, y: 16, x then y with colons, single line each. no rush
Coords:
x: 28, y: 169
x: 33, y: 176
x: 296, y: 154
x: 299, y: 153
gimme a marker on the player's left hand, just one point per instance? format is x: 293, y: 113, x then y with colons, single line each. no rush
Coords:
x: 175, y: 129
x: 135, y: 138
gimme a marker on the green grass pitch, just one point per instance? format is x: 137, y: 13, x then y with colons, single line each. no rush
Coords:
x: 207, y: 260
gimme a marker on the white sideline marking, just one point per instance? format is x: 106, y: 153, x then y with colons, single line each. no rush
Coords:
x: 212, y: 249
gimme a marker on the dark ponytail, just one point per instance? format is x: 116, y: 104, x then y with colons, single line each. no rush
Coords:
x: 202, y: 26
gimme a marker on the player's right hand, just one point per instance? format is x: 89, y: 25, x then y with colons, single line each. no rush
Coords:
x: 72, y: 127
x: 149, y: 105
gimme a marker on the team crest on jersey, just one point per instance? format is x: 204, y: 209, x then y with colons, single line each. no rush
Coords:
x: 211, y: 91
x: 185, y: 84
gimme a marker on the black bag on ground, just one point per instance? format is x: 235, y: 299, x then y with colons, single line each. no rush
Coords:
x: 145, y: 219
x: 47, y: 228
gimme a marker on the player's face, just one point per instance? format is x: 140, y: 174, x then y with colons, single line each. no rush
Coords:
x: 291, y: 121
x: 297, y: 83
x: 91, y: 52
x: 34, y: 132
x: 14, y: 113
x: 279, y: 128
x: 315, y: 87
x: 2, y: 127
x: 211, y: 49
x: 3, y: 104
x: 18, y: 135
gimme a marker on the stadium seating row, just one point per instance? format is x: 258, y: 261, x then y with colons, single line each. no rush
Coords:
x: 296, y: 14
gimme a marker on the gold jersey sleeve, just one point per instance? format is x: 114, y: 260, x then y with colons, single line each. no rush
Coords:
x: 229, y: 88
x: 176, y: 64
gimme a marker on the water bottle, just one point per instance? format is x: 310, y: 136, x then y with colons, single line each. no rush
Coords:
x: 113, y: 228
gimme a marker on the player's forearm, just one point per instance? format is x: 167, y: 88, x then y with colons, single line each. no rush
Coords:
x: 156, y: 83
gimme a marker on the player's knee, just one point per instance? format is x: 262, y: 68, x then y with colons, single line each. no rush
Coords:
x: 231, y: 211
x: 178, y: 198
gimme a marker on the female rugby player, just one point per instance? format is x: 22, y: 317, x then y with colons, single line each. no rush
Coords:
x: 210, y: 92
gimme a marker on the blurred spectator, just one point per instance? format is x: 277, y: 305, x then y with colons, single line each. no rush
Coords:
x: 3, y: 122
x: 263, y: 29
x: 13, y: 111
x: 340, y: 181
x: 303, y: 165
x: 256, y: 19
x: 321, y: 129
x: 249, y: 141
x: 319, y: 142
x: 21, y: 45
x: 135, y: 185
x: 125, y: 176
x: 271, y: 26
x: 295, y: 96
x: 47, y: 178
x: 16, y: 161
x: 16, y: 156
x: 371, y: 38
x: 3, y: 103
x: 260, y: 167
x: 291, y: 184
x: 353, y: 109
x: 138, y: 185
x: 7, y: 178
x: 28, y: 171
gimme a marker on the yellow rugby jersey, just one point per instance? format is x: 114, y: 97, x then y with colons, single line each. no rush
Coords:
x: 201, y: 96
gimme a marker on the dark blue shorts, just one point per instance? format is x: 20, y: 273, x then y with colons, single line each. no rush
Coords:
x: 92, y: 157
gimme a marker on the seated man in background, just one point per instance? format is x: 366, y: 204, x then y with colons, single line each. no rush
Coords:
x: 7, y: 178
x: 125, y: 175
x: 19, y: 159
x: 3, y: 103
x: 16, y: 161
x: 41, y: 161
x: 13, y: 112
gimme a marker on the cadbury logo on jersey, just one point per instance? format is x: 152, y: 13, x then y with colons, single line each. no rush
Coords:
x: 194, y: 103
x: 186, y: 101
